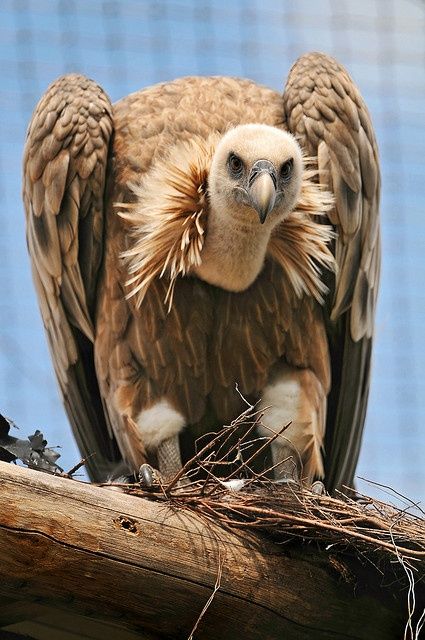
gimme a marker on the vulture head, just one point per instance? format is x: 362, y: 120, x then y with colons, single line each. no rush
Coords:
x: 253, y: 184
x: 256, y: 175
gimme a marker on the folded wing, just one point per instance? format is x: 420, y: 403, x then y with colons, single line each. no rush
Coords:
x: 65, y: 163
x: 326, y: 112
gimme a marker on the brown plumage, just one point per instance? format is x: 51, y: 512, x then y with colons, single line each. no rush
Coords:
x: 157, y: 298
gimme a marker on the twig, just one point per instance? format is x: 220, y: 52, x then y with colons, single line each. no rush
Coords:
x: 212, y: 596
x: 261, y: 449
x: 392, y: 491
x: 78, y: 466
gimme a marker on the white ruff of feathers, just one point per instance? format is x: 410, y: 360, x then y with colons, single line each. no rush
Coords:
x: 300, y: 244
x: 169, y: 219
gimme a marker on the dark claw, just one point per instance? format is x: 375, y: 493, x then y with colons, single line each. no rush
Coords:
x: 318, y: 488
x: 147, y: 475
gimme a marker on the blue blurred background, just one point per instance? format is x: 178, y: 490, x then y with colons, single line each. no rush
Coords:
x: 131, y: 44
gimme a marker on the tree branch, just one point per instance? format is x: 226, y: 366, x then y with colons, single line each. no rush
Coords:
x: 152, y: 567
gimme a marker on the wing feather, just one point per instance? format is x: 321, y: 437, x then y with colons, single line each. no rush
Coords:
x: 325, y: 110
x: 65, y: 162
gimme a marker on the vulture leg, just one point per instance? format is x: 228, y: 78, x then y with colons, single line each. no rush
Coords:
x: 159, y: 427
x: 295, y: 397
x: 169, y: 463
x: 169, y: 458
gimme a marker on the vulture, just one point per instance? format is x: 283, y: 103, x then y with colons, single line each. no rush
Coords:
x: 200, y: 243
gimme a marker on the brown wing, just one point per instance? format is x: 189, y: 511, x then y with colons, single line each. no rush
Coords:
x: 64, y: 173
x: 325, y: 111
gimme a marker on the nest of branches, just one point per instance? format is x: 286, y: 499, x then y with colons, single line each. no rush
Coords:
x: 223, y: 482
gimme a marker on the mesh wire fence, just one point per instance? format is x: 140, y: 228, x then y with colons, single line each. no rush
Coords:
x: 128, y: 45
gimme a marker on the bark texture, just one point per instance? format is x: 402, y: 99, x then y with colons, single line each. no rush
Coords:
x: 140, y: 566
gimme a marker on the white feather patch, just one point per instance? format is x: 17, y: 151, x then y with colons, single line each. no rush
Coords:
x: 158, y: 423
x: 168, y: 220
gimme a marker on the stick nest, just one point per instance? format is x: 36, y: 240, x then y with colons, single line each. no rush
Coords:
x: 220, y: 482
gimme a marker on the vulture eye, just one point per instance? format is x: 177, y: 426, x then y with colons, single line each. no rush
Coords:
x: 235, y: 165
x: 286, y: 169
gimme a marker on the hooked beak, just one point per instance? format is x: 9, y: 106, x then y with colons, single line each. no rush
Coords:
x: 262, y: 188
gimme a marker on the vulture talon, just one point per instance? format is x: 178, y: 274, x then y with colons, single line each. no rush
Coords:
x: 318, y: 488
x: 147, y: 476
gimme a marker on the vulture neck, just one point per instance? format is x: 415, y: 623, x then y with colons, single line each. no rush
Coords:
x: 234, y: 250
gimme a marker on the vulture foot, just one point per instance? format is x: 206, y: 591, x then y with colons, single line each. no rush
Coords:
x: 293, y: 403
x: 148, y: 476
x: 286, y: 462
x: 169, y: 464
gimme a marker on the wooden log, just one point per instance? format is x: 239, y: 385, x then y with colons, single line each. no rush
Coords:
x: 152, y: 568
